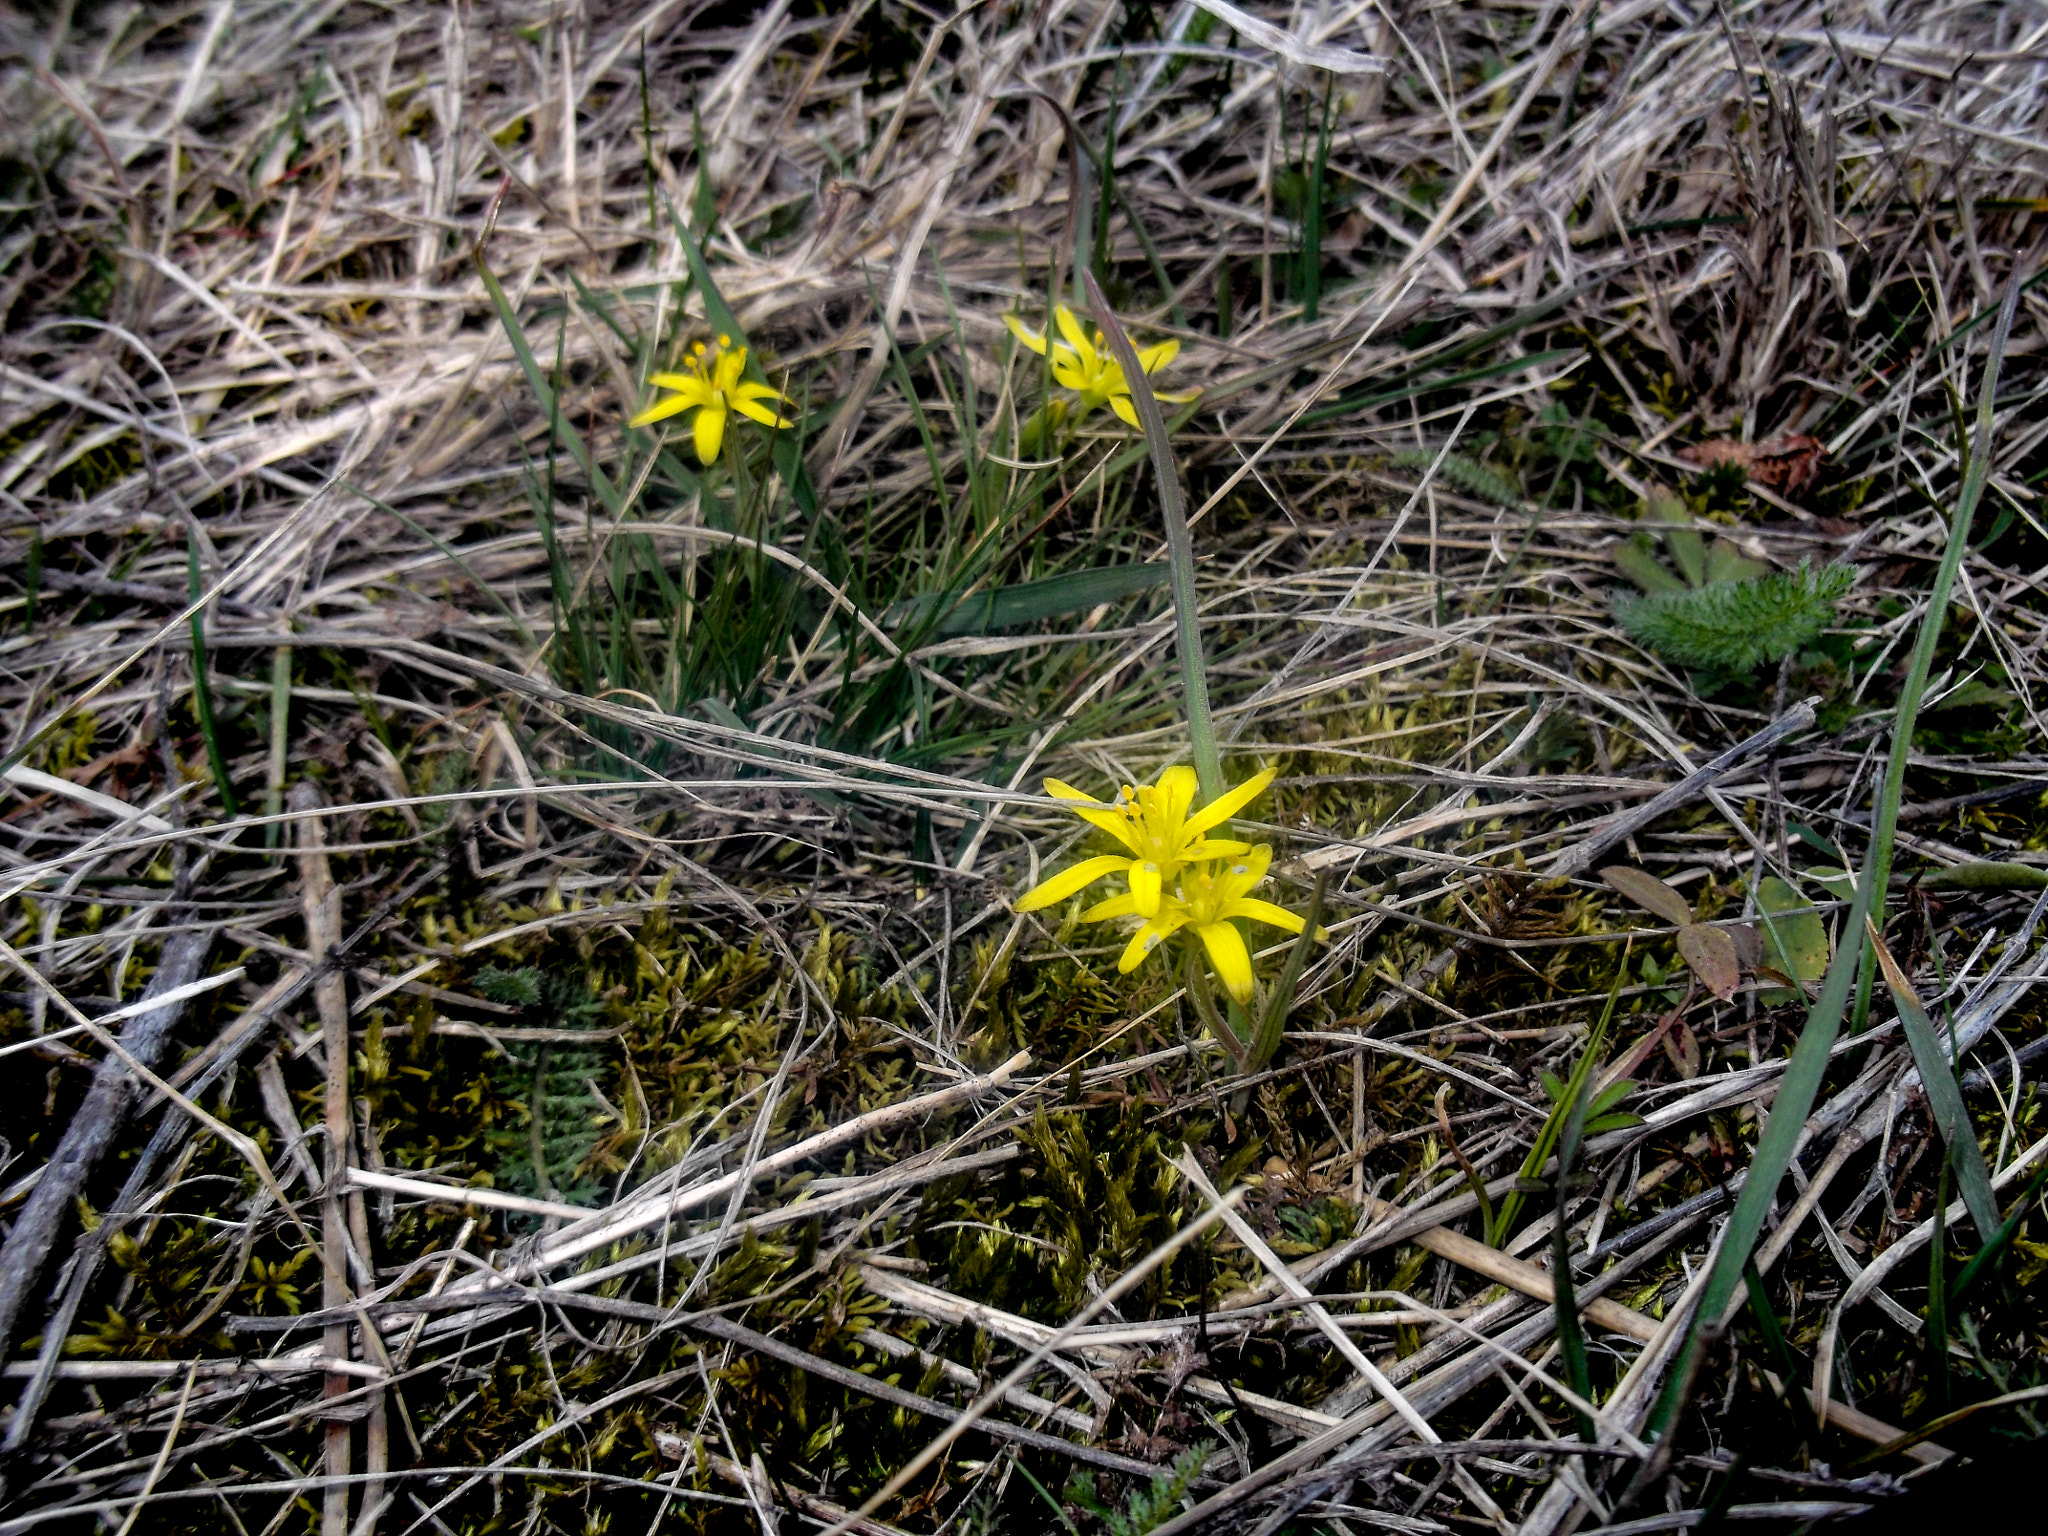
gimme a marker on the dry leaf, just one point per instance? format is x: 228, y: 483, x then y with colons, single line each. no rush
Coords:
x: 1785, y: 464
x: 1711, y: 954
x: 1683, y: 1047
x: 1649, y: 893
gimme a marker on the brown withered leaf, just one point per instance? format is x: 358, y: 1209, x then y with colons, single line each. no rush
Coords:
x: 1711, y: 954
x: 1649, y: 893
x: 1683, y: 1047
x: 1784, y: 464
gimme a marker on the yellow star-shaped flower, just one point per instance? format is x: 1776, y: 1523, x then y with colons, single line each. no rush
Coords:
x: 1084, y: 367
x: 1154, y: 822
x: 1210, y: 895
x: 713, y: 386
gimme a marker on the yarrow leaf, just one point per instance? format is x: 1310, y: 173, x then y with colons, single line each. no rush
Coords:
x: 1468, y: 475
x: 1737, y: 626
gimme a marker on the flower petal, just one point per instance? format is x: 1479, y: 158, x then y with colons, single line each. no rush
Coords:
x: 1115, y: 906
x: 1228, y: 957
x: 1126, y: 412
x: 1110, y: 822
x: 1035, y: 340
x: 710, y: 430
x: 1175, y: 792
x: 1062, y: 885
x: 755, y: 411
x: 1149, y: 938
x: 1152, y: 359
x: 1214, y: 848
x: 690, y: 383
x: 1227, y: 805
x: 1060, y: 789
x: 1070, y: 328
x: 661, y: 410
x: 1241, y: 876
x: 1145, y: 883
x: 1257, y: 911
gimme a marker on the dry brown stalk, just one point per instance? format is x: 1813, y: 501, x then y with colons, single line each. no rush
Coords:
x: 93, y: 1130
x: 321, y: 904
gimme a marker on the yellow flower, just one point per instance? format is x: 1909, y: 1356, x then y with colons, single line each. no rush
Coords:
x: 1210, y: 895
x: 1152, y: 821
x: 1085, y: 368
x: 713, y: 385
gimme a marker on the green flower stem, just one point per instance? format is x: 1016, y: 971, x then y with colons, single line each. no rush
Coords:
x: 1205, y: 1001
x: 1180, y: 548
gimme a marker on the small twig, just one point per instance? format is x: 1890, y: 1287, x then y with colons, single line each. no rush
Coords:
x: 1580, y: 856
x: 321, y: 903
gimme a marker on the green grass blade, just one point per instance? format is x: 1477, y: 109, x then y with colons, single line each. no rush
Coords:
x: 1795, y: 1401
x: 1272, y: 1021
x: 202, y: 686
x: 1937, y: 1286
x: 1309, y: 270
x: 1179, y: 546
x: 1994, y: 1249
x: 1346, y: 405
x: 1808, y: 1066
x: 1105, y: 190
x: 449, y: 553
x: 1571, y: 1338
x: 1944, y: 1094
x: 1975, y: 473
x: 1025, y: 603
x: 1554, y: 1126
x: 537, y: 381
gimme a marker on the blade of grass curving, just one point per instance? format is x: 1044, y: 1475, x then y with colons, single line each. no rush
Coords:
x: 1553, y: 1126
x: 449, y: 553
x: 202, y: 684
x: 1346, y: 405
x: 1571, y: 1338
x: 1993, y: 1250
x: 647, y: 146
x: 1309, y: 268
x: 1796, y: 1402
x: 1944, y: 1093
x: 536, y: 380
x: 1105, y: 189
x: 1027, y: 602
x: 984, y: 500
x: 1976, y: 471
x: 1180, y: 549
x: 786, y: 448
x: 1937, y: 1285
x: 1808, y: 1066
x: 1272, y: 1022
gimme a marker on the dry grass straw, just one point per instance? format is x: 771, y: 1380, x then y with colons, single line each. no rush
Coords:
x: 251, y: 373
